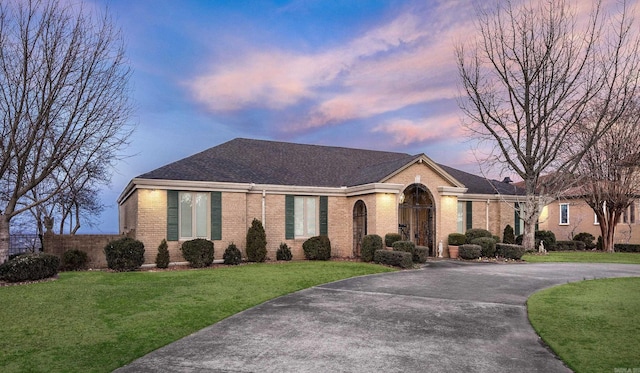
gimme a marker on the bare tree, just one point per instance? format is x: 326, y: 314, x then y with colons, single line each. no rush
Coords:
x: 533, y: 75
x: 608, y: 185
x: 63, y: 100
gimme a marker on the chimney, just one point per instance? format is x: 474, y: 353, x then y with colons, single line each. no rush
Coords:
x: 507, y: 180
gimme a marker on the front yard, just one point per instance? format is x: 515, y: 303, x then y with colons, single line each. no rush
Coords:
x: 99, y: 321
x: 583, y: 257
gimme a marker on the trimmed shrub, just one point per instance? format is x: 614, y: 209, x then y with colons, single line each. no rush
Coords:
x: 508, y: 235
x: 509, y: 251
x: 400, y: 259
x: 29, y: 267
x: 284, y: 252
x: 162, y: 259
x: 232, y: 256
x: 472, y: 234
x: 626, y: 248
x: 469, y: 251
x: 370, y: 243
x: 74, y: 260
x: 406, y: 246
x: 420, y: 254
x: 487, y: 244
x: 567, y: 245
x: 457, y: 239
x: 125, y: 254
x: 256, y: 242
x: 587, y: 239
x: 198, y: 252
x: 390, y: 238
x: 317, y: 248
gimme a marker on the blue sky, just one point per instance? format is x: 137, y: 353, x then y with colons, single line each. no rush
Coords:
x: 355, y: 73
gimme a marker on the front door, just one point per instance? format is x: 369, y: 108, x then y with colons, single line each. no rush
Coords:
x: 416, y: 217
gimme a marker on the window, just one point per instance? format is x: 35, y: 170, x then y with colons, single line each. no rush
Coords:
x: 305, y: 216
x: 518, y: 224
x: 460, y: 217
x: 465, y: 216
x: 194, y: 215
x: 564, y: 214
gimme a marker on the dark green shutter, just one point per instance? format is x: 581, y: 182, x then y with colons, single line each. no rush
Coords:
x: 516, y: 218
x: 172, y: 215
x: 216, y: 215
x: 469, y: 214
x: 289, y: 220
x: 324, y: 216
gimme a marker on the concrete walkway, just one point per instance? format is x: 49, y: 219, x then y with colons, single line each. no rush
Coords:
x: 446, y: 317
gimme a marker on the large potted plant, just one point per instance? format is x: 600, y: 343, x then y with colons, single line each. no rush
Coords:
x: 455, y: 240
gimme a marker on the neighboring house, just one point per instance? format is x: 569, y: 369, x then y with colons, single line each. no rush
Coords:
x: 568, y: 216
x: 299, y: 191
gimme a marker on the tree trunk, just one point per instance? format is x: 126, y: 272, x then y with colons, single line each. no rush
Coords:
x: 4, y: 238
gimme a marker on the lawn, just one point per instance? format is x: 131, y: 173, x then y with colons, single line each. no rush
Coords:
x: 584, y: 257
x: 594, y: 326
x: 99, y: 321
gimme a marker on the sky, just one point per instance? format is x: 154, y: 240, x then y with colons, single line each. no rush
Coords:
x: 372, y: 74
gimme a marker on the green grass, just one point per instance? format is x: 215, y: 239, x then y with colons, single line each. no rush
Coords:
x: 584, y: 257
x: 99, y: 321
x: 594, y: 326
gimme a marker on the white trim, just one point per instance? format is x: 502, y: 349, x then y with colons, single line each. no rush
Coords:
x: 452, y: 191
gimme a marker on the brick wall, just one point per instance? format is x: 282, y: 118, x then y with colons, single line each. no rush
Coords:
x: 92, y: 244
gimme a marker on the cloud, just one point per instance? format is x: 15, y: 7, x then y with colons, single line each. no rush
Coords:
x: 435, y: 128
x: 404, y: 62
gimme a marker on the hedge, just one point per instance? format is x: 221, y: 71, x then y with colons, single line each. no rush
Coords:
x: 487, y: 244
x: 125, y: 254
x: 370, y: 243
x: 456, y: 239
x: 569, y: 245
x: 198, y: 252
x: 420, y: 254
x: 474, y: 233
x: 509, y: 251
x: 390, y: 238
x: 317, y: 248
x: 626, y: 248
x: 29, y: 267
x: 74, y: 260
x: 587, y: 238
x: 469, y: 251
x: 400, y: 259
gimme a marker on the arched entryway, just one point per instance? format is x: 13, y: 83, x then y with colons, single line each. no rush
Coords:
x: 416, y: 216
x: 359, y: 226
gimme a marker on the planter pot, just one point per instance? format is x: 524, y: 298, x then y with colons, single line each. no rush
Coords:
x: 453, y: 252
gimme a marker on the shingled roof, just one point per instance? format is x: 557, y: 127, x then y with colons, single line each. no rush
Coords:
x: 280, y: 163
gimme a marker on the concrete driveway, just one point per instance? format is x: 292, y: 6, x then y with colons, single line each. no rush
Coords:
x: 446, y: 317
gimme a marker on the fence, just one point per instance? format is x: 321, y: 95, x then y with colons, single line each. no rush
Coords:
x: 24, y: 243
x: 92, y: 244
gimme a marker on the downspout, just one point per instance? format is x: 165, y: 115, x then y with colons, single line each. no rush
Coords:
x: 264, y: 196
x: 488, y: 201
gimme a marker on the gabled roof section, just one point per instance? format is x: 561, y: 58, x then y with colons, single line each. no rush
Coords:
x: 280, y: 163
x: 271, y: 162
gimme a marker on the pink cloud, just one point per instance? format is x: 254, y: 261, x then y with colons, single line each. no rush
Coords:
x: 406, y: 61
x: 406, y: 132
